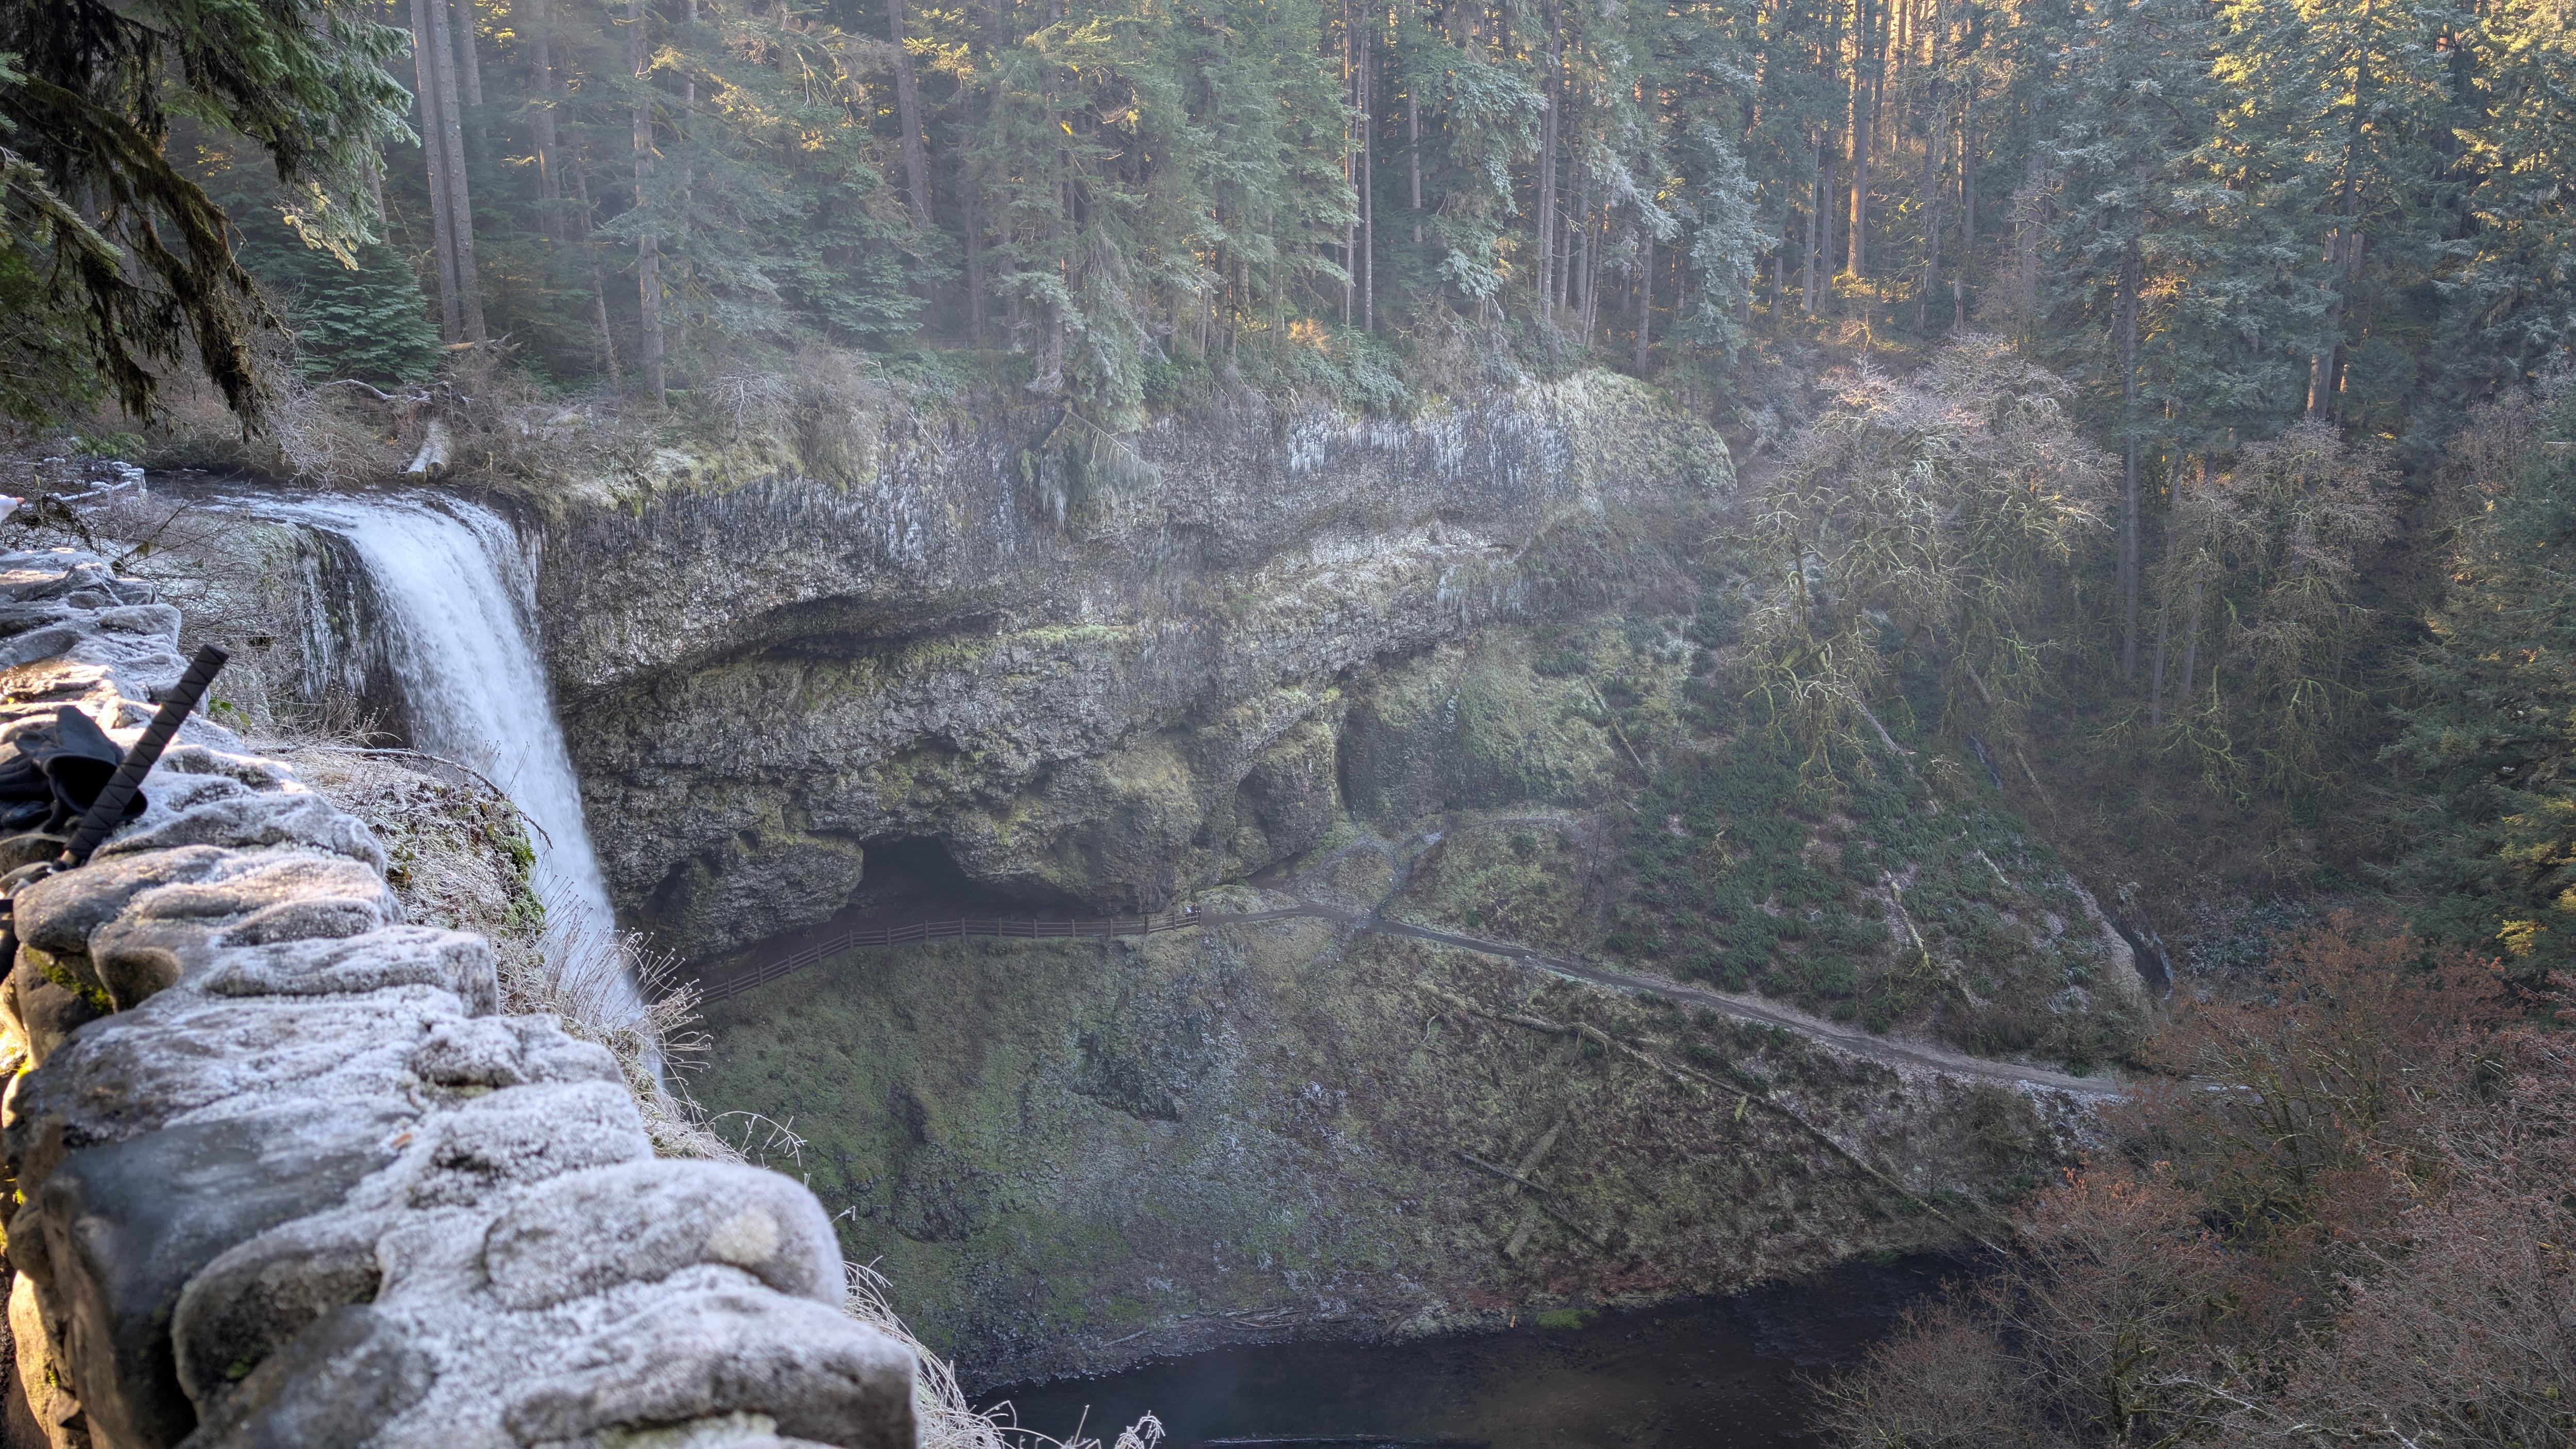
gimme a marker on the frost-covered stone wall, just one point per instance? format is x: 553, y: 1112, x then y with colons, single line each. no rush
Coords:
x: 285, y: 1178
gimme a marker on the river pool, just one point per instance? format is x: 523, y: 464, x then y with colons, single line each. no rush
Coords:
x: 1703, y: 1372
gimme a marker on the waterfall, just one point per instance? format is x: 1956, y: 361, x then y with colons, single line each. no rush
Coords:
x: 460, y: 605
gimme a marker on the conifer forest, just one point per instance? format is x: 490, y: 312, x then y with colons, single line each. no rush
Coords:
x: 2217, y: 219
x: 2151, y: 418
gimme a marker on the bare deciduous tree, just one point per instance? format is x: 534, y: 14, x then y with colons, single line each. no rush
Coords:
x: 1940, y: 514
x: 2263, y: 563
x: 2342, y: 1219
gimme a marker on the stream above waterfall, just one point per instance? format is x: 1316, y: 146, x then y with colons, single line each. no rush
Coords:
x: 1687, y: 1375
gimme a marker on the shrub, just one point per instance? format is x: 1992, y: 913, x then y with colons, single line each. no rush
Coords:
x: 2336, y: 1215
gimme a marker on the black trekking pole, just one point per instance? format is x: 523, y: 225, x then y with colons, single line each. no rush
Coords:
x: 108, y: 811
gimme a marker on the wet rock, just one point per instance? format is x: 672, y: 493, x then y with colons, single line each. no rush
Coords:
x: 1290, y: 797
x: 1074, y: 701
x: 941, y: 1196
x: 1152, y: 1054
x: 1450, y: 729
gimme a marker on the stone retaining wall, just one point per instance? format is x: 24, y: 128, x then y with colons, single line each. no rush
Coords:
x: 285, y: 1178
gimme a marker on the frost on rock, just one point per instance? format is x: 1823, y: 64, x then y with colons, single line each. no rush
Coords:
x: 286, y: 1180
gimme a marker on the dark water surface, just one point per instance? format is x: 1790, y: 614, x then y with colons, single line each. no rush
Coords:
x: 1712, y: 1371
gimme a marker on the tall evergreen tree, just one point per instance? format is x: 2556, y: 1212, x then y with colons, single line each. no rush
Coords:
x: 2135, y: 103
x: 2490, y: 731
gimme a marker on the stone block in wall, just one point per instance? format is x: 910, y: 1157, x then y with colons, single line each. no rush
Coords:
x: 289, y: 1179
x: 116, y: 1232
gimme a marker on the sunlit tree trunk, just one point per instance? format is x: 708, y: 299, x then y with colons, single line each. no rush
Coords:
x: 2127, y: 306
x: 1413, y: 159
x: 2343, y: 249
x: 444, y: 133
x: 1550, y: 283
x: 1350, y: 158
x: 1779, y: 276
x: 1645, y: 300
x: 1827, y: 213
x: 433, y: 146
x: 1368, y: 185
x: 648, y: 251
x: 1815, y: 222
x: 540, y: 22
x: 972, y: 189
x: 469, y: 64
x: 598, y: 284
x: 2156, y: 677
x: 2191, y: 645
x: 1864, y: 117
x: 1578, y: 235
x: 974, y: 217
x: 1968, y: 182
x: 1930, y: 189
x: 907, y: 100
x: 2343, y: 244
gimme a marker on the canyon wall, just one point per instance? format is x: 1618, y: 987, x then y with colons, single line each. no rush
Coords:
x: 1076, y: 1155
x: 1425, y: 671
x: 1081, y: 665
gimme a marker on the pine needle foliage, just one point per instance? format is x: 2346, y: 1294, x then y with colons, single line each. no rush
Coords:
x: 2489, y: 739
x: 148, y: 281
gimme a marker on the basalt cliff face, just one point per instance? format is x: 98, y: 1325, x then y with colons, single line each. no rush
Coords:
x: 1099, y: 672
x: 1447, y: 698
x: 1430, y: 673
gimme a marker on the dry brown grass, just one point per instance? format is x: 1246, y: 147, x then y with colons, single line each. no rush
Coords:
x: 612, y: 988
x: 947, y: 1420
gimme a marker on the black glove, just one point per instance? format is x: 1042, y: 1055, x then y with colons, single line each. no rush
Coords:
x: 57, y: 773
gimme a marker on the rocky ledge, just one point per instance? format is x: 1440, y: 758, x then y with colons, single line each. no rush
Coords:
x: 286, y: 1178
x: 1098, y: 675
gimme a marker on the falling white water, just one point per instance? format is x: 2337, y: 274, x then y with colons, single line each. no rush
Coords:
x: 459, y: 602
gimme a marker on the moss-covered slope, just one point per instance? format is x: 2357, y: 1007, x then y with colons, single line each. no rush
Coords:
x: 1075, y: 1154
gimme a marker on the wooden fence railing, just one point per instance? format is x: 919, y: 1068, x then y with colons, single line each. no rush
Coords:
x: 1009, y: 927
